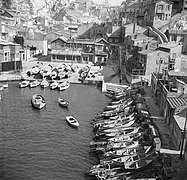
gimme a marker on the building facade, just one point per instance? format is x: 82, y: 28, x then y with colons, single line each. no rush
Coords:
x: 9, y: 56
x: 157, y: 13
x: 80, y: 51
x: 171, y: 97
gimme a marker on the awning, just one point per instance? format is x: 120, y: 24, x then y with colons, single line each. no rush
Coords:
x: 177, y: 101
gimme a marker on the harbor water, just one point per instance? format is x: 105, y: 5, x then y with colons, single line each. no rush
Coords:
x: 39, y: 144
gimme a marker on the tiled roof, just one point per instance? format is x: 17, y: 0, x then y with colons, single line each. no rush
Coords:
x: 176, y: 101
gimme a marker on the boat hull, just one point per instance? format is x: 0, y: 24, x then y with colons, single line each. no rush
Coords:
x: 38, y: 103
x: 72, y: 121
x: 63, y: 103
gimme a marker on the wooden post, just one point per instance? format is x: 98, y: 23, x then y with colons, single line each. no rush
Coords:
x: 120, y: 65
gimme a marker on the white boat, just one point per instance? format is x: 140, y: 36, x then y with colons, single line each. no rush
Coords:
x: 34, y: 70
x: 24, y: 84
x: 4, y: 85
x: 116, y: 119
x: 127, y: 152
x: 72, y: 121
x: 62, y: 74
x: 46, y: 70
x: 1, y: 88
x: 61, y: 67
x: 132, y: 158
x: 54, y: 73
x: 120, y: 145
x: 128, y: 123
x: 119, y: 127
x: 64, y: 85
x: 34, y: 83
x: 112, y: 123
x: 128, y: 131
x: 38, y: 101
x: 123, y: 104
x: 44, y: 83
x: 126, y: 116
x: 63, y: 102
x: 54, y: 84
x: 124, y: 138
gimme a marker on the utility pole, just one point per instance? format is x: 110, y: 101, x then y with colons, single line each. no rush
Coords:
x: 183, y: 138
x: 120, y: 65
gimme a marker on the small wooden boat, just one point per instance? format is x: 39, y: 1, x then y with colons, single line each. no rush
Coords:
x: 46, y: 70
x: 63, y: 102
x: 62, y: 74
x: 38, y: 101
x: 142, y: 164
x: 44, y: 83
x: 132, y: 158
x: 121, y: 145
x: 24, y: 84
x: 125, y: 138
x: 64, y: 85
x: 34, y: 70
x: 119, y: 128
x: 34, y: 83
x: 128, y: 131
x: 127, y: 152
x: 54, y: 84
x: 118, y: 102
x: 54, y: 73
x: 119, y: 123
x: 115, y: 119
x: 1, y: 88
x: 4, y: 85
x: 72, y: 121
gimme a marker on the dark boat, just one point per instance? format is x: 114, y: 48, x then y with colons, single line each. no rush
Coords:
x: 141, y: 164
x: 63, y: 102
x: 38, y: 101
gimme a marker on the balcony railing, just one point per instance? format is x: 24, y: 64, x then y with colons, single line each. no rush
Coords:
x: 160, y: 10
x: 138, y: 71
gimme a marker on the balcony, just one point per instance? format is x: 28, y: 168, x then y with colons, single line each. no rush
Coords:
x: 138, y: 71
x: 160, y: 11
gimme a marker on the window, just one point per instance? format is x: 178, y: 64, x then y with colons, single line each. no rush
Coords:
x: 78, y: 58
x: 6, y: 56
x: 53, y: 56
x: 61, y: 57
x: 69, y: 57
x: 168, y: 7
x: 116, y: 40
x: 161, y: 7
x: 85, y: 59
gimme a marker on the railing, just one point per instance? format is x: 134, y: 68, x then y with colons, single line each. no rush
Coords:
x: 138, y: 71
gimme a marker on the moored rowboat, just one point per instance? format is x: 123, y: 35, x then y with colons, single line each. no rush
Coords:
x: 72, y: 121
x: 24, y: 84
x: 63, y: 102
x: 38, y: 101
